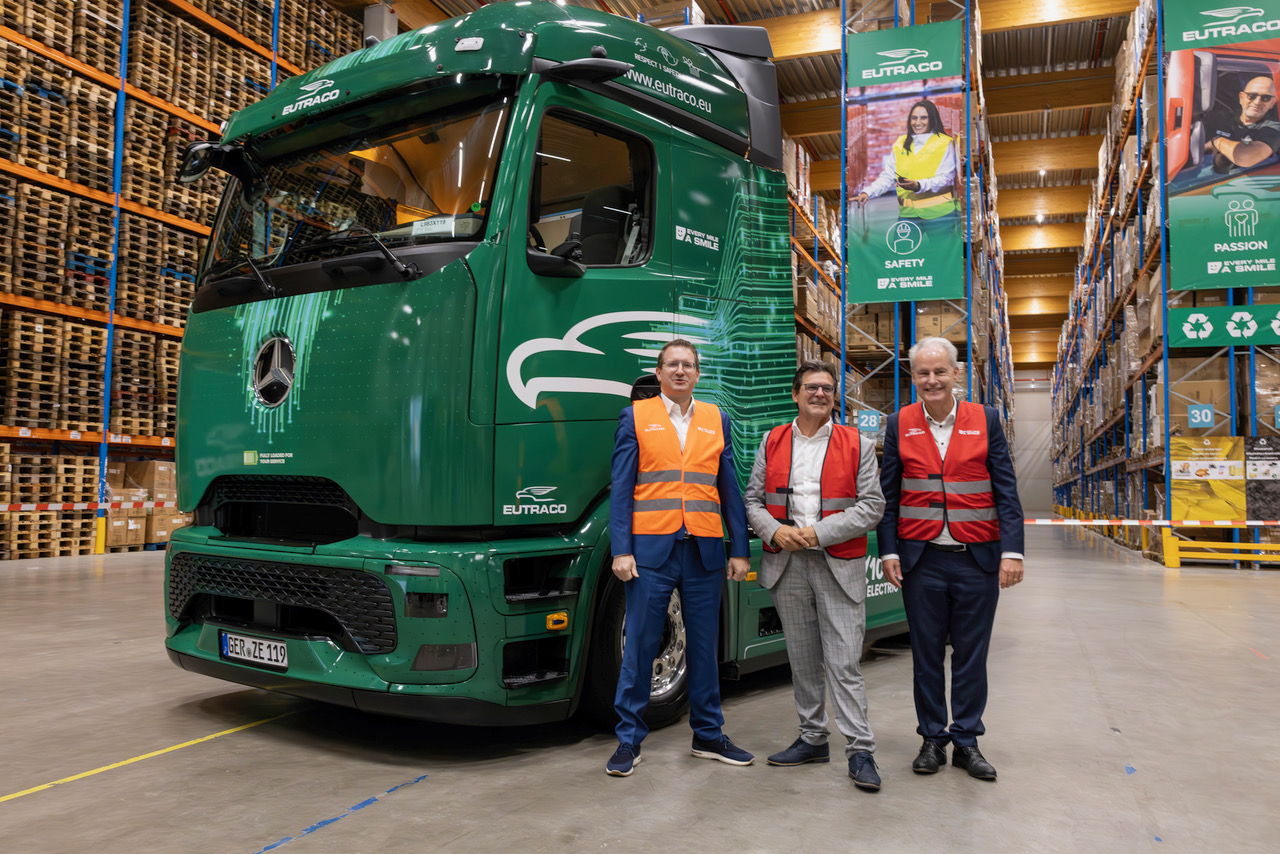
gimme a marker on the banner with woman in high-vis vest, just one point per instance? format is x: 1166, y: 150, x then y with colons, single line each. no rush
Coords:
x: 904, y: 108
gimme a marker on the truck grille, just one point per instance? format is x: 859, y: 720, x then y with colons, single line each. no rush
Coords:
x: 359, y: 601
x: 277, y: 489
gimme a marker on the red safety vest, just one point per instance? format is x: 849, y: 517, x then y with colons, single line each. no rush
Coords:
x: 675, y: 487
x: 838, y: 487
x: 955, y: 492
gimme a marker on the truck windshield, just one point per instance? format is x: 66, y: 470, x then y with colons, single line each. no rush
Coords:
x: 424, y: 180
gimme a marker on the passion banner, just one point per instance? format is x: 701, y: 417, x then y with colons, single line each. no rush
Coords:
x: 904, y: 108
x: 1222, y: 132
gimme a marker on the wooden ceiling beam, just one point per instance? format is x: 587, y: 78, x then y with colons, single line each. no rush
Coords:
x: 1000, y: 15
x: 1029, y: 155
x: 418, y: 13
x: 1053, y: 90
x: 806, y: 34
x: 818, y: 117
x: 1050, y: 201
x: 1038, y: 306
x: 1058, y: 235
x: 1050, y: 286
x: 1039, y: 264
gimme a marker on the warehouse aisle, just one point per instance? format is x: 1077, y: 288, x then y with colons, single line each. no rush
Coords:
x: 1133, y: 707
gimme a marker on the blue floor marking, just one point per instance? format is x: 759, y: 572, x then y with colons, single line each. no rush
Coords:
x: 306, y: 831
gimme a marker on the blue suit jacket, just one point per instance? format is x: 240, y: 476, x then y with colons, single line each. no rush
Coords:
x: 653, y: 550
x: 1004, y: 487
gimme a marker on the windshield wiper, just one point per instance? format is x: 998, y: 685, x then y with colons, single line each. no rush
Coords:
x: 264, y: 285
x: 360, y: 232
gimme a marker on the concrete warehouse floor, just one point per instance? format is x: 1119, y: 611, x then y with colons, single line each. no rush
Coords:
x: 1133, y: 708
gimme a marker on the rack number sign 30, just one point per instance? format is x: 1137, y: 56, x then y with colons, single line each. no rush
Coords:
x: 1200, y: 416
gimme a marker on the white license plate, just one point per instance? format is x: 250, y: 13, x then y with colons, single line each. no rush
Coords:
x: 267, y: 653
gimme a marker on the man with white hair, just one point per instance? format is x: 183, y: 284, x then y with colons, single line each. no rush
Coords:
x: 951, y: 538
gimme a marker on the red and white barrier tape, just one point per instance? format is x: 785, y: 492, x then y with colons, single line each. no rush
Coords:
x: 87, y: 505
x: 1159, y: 523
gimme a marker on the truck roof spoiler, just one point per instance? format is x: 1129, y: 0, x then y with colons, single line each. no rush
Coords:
x: 745, y: 51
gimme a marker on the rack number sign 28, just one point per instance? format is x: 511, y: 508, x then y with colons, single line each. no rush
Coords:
x: 868, y: 420
x: 1200, y: 416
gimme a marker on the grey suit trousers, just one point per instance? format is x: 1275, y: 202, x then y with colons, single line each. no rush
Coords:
x: 824, y: 630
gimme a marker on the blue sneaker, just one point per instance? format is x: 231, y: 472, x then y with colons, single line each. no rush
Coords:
x: 722, y: 749
x: 623, y: 761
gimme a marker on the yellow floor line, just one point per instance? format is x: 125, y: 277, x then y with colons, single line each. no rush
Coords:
x: 125, y: 762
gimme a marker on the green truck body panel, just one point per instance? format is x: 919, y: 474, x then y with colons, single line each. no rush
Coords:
x: 470, y: 412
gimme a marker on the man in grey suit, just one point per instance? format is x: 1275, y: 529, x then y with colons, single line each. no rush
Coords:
x: 814, y: 494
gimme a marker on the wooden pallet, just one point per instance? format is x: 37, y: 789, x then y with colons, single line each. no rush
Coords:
x: 90, y: 164
x: 50, y: 23
x: 77, y: 478
x: 13, y: 14
x: 29, y: 336
x: 86, y: 290
x: 93, y: 232
x: 34, y: 477
x: 95, y: 35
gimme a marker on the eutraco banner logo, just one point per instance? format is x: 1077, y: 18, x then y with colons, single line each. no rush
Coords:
x: 906, y: 53
x: 1189, y: 24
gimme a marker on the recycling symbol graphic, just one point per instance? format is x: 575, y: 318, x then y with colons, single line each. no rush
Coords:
x: 1197, y: 326
x: 1242, y: 325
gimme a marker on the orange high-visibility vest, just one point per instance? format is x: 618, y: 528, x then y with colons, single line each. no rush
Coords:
x: 838, y: 487
x: 675, y: 488
x: 955, y: 492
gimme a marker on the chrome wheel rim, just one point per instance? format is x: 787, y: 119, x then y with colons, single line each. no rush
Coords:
x: 672, y: 661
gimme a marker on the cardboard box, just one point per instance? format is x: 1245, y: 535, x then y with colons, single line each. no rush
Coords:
x: 162, y: 522
x: 115, y: 474
x: 157, y: 477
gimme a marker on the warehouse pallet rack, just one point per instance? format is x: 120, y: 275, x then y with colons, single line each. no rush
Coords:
x: 1119, y: 394
x: 96, y: 47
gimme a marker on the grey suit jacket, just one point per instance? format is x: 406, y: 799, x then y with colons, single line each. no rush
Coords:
x: 852, y: 522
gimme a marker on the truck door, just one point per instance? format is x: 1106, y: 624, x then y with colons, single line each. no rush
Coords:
x: 570, y: 348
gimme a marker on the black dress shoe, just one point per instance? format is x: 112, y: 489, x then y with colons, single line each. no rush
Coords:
x: 931, y: 757
x: 971, y: 758
x: 862, y: 768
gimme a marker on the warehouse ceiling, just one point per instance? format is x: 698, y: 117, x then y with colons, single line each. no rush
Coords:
x: 1048, y: 78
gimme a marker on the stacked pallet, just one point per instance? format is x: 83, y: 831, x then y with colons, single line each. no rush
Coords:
x: 168, y: 352
x: 37, y: 247
x: 96, y: 35
x: 81, y: 385
x: 46, y: 115
x: 92, y: 139
x: 31, y: 377
x: 133, y: 383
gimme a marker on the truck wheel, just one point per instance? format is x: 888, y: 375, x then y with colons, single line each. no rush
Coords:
x: 669, y: 696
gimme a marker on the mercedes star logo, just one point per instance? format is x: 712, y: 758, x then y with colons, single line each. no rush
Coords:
x: 273, y: 372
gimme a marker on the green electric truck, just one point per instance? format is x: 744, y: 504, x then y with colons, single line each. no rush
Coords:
x: 439, y: 267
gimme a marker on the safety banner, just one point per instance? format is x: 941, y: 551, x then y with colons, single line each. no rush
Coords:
x: 1224, y: 326
x: 1222, y: 132
x: 1206, y: 477
x: 904, y: 108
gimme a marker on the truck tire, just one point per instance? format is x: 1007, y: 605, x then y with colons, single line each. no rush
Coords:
x: 669, y: 699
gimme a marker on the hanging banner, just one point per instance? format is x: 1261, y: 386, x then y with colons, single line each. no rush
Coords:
x: 1222, y: 132
x: 904, y: 105
x: 1262, y: 477
x: 1224, y: 326
x: 1208, y: 478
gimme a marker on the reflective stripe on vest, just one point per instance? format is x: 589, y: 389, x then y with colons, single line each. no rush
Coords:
x: 838, y: 484
x: 677, y: 488
x: 920, y: 164
x: 955, y: 492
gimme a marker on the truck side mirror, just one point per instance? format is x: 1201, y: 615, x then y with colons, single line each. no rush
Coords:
x: 200, y: 157
x: 546, y: 264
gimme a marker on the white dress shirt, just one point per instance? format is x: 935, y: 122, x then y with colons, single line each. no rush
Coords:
x: 679, y: 420
x: 941, y: 431
x: 807, y: 455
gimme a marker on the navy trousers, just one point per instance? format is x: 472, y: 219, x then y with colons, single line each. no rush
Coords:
x: 647, y: 598
x: 947, y: 595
